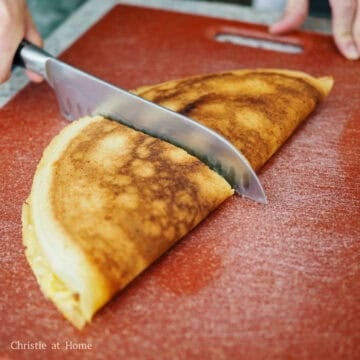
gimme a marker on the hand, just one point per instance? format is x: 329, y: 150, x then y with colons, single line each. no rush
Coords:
x: 345, y: 23
x: 15, y: 24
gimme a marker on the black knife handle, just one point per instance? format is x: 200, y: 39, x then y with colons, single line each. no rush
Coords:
x: 18, y: 60
x: 31, y: 57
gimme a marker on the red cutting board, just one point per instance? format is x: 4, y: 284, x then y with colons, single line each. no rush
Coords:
x: 252, y: 281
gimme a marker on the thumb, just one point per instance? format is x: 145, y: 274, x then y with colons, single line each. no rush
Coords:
x: 295, y: 14
x: 345, y: 18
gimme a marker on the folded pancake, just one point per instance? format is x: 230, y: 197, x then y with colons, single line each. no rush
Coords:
x: 106, y: 200
x: 257, y: 110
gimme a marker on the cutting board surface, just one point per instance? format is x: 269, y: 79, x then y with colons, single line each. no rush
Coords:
x: 252, y: 281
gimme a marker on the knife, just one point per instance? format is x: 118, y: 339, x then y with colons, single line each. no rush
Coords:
x: 81, y: 94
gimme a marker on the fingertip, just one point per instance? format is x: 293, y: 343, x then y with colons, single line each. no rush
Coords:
x: 4, y: 77
x: 283, y: 26
x: 347, y: 47
x: 5, y: 63
x: 294, y: 16
x: 34, y: 77
x: 34, y: 37
x: 351, y: 52
x: 276, y: 29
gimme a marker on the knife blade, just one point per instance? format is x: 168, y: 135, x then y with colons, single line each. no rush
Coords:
x: 82, y: 94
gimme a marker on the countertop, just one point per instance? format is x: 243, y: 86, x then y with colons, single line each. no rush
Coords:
x: 88, y: 14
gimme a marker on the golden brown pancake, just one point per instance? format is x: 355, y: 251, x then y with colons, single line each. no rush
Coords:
x: 106, y: 200
x: 257, y: 110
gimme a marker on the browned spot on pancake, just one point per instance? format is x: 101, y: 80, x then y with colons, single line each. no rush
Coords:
x: 197, y: 83
x: 256, y: 111
x: 116, y: 190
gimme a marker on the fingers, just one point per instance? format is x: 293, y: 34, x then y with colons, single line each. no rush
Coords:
x: 34, y: 37
x: 295, y: 14
x: 15, y: 24
x: 346, y: 27
x: 12, y: 25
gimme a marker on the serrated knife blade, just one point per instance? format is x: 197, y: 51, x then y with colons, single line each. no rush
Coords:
x: 79, y: 94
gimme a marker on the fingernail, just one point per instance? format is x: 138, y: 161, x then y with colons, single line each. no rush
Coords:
x: 351, y: 52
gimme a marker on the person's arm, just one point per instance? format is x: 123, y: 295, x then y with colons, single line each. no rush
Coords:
x: 15, y: 24
x: 345, y: 23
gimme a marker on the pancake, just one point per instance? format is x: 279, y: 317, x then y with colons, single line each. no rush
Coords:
x: 256, y: 110
x: 107, y: 201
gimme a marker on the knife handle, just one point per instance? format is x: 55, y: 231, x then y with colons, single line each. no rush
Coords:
x: 31, y: 57
x: 18, y: 61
